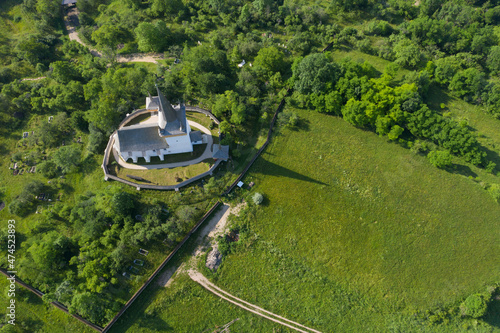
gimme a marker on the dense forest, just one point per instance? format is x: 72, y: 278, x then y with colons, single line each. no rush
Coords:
x: 77, y: 251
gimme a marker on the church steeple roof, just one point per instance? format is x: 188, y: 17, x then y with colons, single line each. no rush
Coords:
x: 171, y: 121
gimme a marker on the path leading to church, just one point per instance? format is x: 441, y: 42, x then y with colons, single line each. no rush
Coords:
x: 206, y: 154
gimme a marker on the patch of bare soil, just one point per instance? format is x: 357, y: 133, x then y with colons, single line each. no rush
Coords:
x: 217, y: 225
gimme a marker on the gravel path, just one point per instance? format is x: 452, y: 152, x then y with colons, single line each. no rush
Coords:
x: 205, y: 283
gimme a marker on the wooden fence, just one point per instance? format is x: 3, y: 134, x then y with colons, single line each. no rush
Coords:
x: 56, y: 304
x: 155, y: 273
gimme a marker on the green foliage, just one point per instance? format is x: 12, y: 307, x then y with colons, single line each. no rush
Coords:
x: 122, y: 203
x: 91, y: 306
x: 288, y: 119
x: 63, y: 72
x: 257, y: 198
x: 493, y: 61
x: 25, y: 202
x: 48, y: 169
x: 166, y: 7
x: 67, y: 158
x: 315, y: 74
x: 46, y: 259
x: 96, y: 140
x: 407, y: 53
x: 494, y: 190
x: 440, y: 159
x: 152, y: 37
x: 107, y: 36
x: 268, y: 61
x: 475, y: 306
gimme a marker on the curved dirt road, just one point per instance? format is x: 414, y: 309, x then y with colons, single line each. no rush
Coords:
x: 205, y: 283
x: 71, y: 23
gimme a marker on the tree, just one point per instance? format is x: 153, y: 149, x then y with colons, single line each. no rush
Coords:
x: 315, y: 74
x: 33, y: 49
x: 47, y: 9
x: 269, y: 60
x: 63, y: 72
x: 24, y: 203
x: 354, y: 112
x: 67, y: 158
x: 122, y: 203
x: 90, y: 306
x: 166, y: 7
x: 494, y: 191
x: 108, y: 35
x: 257, y: 198
x: 440, y: 159
x: 407, y: 53
x: 96, y: 140
x: 475, y: 306
x: 493, y: 61
x: 48, y: 169
x: 152, y: 37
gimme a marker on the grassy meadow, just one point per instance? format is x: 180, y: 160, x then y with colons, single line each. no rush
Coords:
x: 357, y: 233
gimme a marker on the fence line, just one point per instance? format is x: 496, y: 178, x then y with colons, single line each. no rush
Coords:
x: 257, y: 154
x: 109, y: 146
x: 155, y: 273
x: 56, y: 304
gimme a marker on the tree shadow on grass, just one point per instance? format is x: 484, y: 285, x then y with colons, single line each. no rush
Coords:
x: 492, y: 156
x: 268, y: 168
x: 492, y: 316
x: 463, y: 170
x: 154, y: 323
x: 435, y: 96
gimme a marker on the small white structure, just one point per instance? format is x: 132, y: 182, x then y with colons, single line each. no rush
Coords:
x: 241, y: 64
x: 170, y: 134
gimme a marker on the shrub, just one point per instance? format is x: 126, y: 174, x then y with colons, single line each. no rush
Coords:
x: 494, y: 190
x: 440, y: 159
x: 48, y: 169
x: 475, y: 306
x: 257, y: 198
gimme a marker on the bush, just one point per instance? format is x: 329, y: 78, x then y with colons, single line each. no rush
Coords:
x: 257, y: 198
x: 440, y: 159
x: 475, y: 306
x: 494, y: 190
x: 48, y: 169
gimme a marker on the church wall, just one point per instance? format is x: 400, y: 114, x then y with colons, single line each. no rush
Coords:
x: 178, y: 144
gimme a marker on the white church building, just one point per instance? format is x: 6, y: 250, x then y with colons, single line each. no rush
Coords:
x: 166, y: 132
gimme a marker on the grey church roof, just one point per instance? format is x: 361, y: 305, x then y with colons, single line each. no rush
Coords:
x: 172, y: 121
x: 140, y: 138
x: 195, y: 136
x: 221, y: 152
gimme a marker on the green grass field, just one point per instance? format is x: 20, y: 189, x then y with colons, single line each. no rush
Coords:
x: 357, y: 232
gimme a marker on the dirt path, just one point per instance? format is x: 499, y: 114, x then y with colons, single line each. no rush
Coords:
x: 34, y: 78
x: 212, y: 228
x: 205, y: 283
x: 71, y: 22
